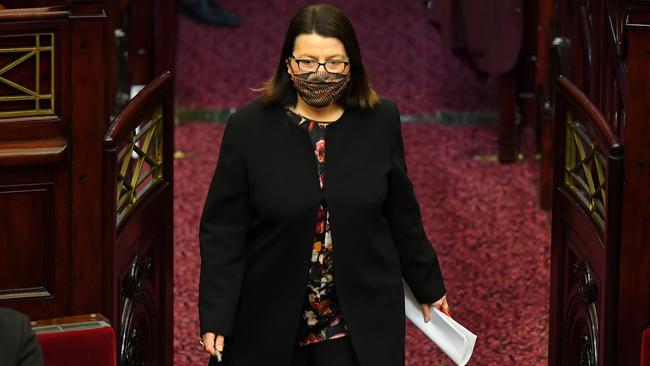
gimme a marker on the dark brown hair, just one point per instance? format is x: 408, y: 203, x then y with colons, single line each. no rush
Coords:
x: 327, y: 21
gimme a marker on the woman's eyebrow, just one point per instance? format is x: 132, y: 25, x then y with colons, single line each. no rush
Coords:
x: 305, y: 55
x: 335, y: 56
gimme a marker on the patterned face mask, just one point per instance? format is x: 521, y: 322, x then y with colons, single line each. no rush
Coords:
x: 320, y: 88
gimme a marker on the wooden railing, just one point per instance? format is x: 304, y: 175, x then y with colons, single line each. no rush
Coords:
x: 138, y: 168
x: 593, y: 156
x: 133, y: 146
x: 587, y: 195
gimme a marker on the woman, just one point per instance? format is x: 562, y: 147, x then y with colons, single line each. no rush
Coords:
x: 302, y: 256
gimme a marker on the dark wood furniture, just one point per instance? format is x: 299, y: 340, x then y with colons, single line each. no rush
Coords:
x: 587, y: 42
x: 543, y: 114
x: 645, y: 348
x: 603, y: 48
x: 138, y: 222
x: 500, y: 39
x: 84, y: 228
x: 68, y: 322
x: 586, y: 232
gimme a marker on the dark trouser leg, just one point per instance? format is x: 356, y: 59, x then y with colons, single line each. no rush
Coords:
x: 337, y: 352
x: 301, y: 356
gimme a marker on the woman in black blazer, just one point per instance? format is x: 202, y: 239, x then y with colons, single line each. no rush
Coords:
x: 301, y: 260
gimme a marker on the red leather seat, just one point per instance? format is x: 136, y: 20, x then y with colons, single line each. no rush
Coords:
x: 77, y: 343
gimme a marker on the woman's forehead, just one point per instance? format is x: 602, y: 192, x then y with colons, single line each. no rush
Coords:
x: 318, y: 46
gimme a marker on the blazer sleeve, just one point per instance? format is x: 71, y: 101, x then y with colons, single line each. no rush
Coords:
x: 19, y: 345
x: 30, y: 353
x: 418, y: 260
x: 222, y: 235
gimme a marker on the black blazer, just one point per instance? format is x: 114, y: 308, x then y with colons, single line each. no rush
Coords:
x: 257, y: 226
x: 18, y: 344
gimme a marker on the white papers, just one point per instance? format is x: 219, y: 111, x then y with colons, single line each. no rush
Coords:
x: 452, y: 338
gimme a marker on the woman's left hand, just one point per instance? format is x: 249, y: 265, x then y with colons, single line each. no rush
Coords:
x: 440, y: 305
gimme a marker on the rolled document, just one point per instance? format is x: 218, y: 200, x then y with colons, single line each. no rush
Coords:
x: 452, y: 338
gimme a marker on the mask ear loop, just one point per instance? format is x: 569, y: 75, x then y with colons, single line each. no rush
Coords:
x: 347, y: 92
x: 288, y: 63
x: 292, y: 75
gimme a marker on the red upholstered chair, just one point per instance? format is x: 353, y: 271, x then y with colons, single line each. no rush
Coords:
x: 77, y: 341
x: 645, y: 348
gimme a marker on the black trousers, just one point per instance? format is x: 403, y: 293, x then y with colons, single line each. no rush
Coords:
x: 338, y: 352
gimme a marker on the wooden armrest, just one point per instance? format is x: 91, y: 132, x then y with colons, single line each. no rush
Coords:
x: 149, y: 97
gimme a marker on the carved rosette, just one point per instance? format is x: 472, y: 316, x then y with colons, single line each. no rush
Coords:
x: 138, y: 325
x: 581, y: 322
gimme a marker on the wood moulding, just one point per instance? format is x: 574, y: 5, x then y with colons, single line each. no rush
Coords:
x: 27, y: 14
x: 32, y: 152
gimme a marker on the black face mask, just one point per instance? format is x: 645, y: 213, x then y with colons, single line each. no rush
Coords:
x: 320, y: 88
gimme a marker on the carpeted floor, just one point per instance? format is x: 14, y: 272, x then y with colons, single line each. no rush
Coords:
x: 482, y: 217
x: 401, y: 50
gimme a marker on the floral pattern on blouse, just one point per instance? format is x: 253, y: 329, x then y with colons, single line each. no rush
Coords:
x: 322, y: 317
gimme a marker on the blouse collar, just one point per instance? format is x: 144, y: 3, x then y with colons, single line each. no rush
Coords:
x: 300, y: 119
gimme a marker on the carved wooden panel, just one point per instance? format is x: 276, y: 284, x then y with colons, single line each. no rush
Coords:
x: 588, y: 48
x: 138, y: 222
x: 140, y: 320
x: 26, y: 243
x: 587, y: 45
x: 612, y: 99
x: 586, y: 232
x: 603, y: 46
x: 69, y: 249
x: 34, y: 154
x: 34, y: 243
x: 143, y: 255
x: 581, y: 325
x: 634, y: 290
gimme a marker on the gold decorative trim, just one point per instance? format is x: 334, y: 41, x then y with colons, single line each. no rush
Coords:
x: 41, y: 48
x: 585, y: 168
x: 140, y: 164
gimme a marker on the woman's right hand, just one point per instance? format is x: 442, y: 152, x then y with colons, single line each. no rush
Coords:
x: 213, y: 343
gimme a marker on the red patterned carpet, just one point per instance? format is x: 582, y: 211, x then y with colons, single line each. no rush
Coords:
x: 401, y: 51
x: 482, y: 217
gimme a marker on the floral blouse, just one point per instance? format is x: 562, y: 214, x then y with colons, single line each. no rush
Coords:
x: 322, y: 318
